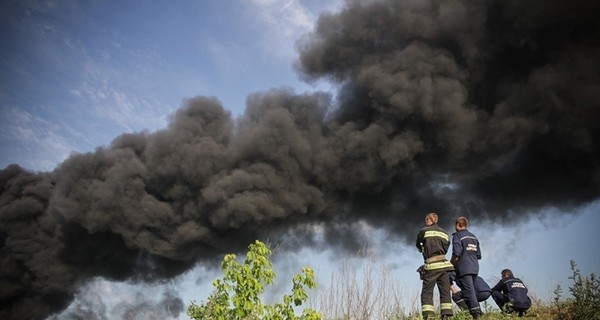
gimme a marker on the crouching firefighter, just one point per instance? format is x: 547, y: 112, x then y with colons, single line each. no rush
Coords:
x: 433, y: 243
x: 482, y: 291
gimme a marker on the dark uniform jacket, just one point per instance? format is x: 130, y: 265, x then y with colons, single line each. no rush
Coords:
x: 515, y: 290
x: 433, y: 242
x: 466, y: 246
x: 479, y: 284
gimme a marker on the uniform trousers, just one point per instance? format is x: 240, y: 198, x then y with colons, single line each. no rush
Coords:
x: 502, y: 301
x: 430, y: 279
x: 467, y: 283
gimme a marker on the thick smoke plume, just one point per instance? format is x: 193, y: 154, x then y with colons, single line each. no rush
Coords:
x: 484, y: 108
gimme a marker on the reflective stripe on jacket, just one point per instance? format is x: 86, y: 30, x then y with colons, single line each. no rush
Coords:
x: 433, y: 242
x: 515, y: 290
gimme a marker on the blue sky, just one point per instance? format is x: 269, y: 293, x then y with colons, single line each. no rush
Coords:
x: 75, y: 75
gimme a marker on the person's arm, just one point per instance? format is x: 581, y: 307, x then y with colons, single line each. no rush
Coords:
x: 454, y: 259
x: 456, y: 248
x: 498, y: 286
x: 453, y: 288
x: 419, y: 242
x: 478, y: 250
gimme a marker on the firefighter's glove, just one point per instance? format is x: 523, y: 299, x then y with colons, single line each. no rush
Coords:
x: 421, y: 271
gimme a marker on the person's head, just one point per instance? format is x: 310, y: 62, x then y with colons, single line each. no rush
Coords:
x: 431, y: 218
x: 506, y: 273
x: 461, y: 223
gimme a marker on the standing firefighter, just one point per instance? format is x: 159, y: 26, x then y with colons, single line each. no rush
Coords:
x: 433, y: 243
x: 466, y: 254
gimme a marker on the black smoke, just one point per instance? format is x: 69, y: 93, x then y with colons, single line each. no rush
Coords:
x: 483, y: 108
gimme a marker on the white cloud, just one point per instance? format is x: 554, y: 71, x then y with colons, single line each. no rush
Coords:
x: 283, y: 22
x: 36, y: 142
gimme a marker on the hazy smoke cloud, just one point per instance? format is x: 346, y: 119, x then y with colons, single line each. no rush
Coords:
x: 170, y: 306
x: 485, y: 108
x: 90, y: 303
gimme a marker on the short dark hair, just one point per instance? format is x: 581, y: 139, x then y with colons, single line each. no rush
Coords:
x: 462, y: 221
x: 507, y: 273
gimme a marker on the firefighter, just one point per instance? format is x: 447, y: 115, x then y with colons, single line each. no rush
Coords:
x: 482, y: 291
x: 510, y: 294
x: 433, y: 243
x: 466, y: 254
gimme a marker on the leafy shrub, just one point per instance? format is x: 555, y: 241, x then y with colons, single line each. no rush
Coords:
x: 585, y: 301
x: 238, y: 294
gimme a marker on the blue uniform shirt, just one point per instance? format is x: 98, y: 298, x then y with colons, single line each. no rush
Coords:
x: 515, y: 290
x: 466, y: 246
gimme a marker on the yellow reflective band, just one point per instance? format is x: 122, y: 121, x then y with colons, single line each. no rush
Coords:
x: 439, y: 265
x: 427, y: 307
x: 438, y: 234
x: 446, y: 306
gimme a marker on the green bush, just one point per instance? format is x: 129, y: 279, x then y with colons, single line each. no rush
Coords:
x: 238, y: 294
x: 585, y: 301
